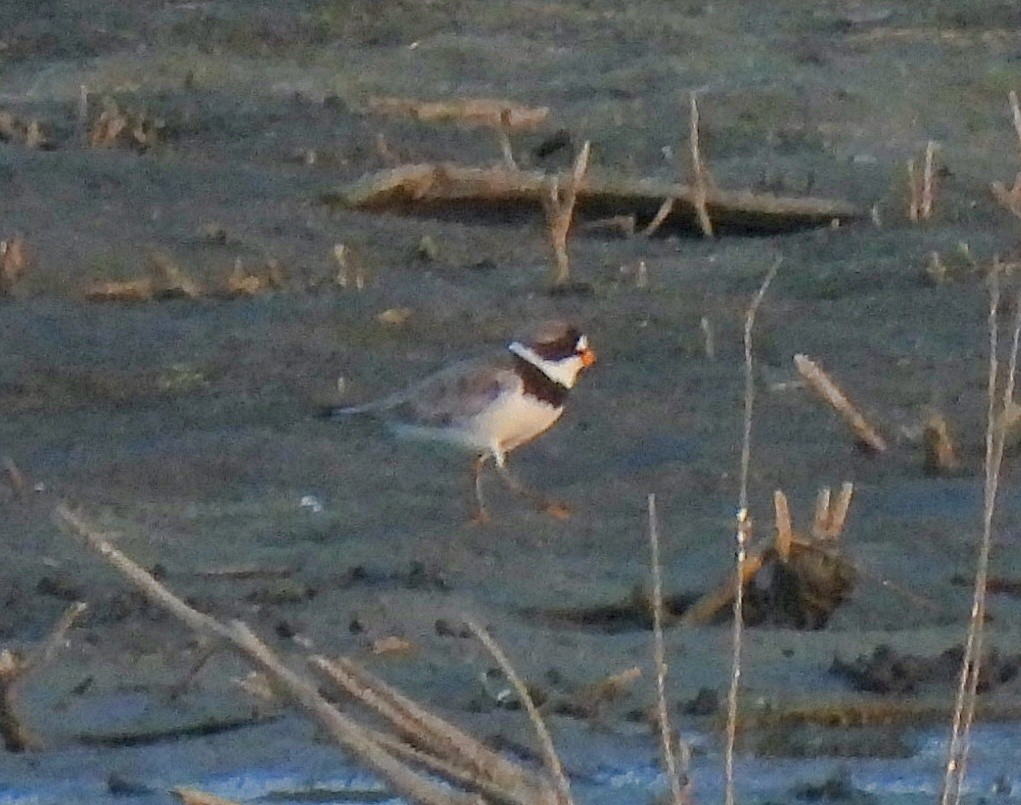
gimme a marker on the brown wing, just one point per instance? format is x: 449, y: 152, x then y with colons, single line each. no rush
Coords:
x: 459, y: 393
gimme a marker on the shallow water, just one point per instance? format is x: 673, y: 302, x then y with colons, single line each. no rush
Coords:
x: 278, y: 762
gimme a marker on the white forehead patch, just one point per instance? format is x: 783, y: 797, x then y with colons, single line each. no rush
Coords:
x: 582, y: 344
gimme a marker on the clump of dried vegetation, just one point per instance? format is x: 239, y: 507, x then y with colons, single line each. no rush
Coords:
x: 29, y: 132
x: 416, y: 749
x: 117, y: 125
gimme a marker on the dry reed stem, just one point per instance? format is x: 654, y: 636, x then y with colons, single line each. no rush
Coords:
x: 830, y: 517
x: 965, y: 703
x: 784, y: 525
x: 445, y: 750
x: 821, y: 515
x: 744, y: 529
x: 928, y: 181
x: 661, y: 215
x: 559, y: 207
x: 680, y: 793
x: 426, y: 730
x: 341, y: 729
x: 913, y: 202
x: 708, y: 341
x: 350, y: 271
x: 921, y: 191
x: 83, y: 112
x: 15, y: 669
x: 298, y: 691
x: 743, y: 533
x: 700, y: 178
x: 822, y: 385
x: 1011, y: 197
x: 15, y: 477
x: 939, y: 454
x: 1015, y: 113
x: 554, y: 767
x: 503, y: 131
x: 709, y: 605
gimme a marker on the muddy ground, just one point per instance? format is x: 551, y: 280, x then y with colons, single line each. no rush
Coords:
x: 187, y: 426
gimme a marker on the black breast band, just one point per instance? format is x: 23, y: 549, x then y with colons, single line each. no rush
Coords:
x: 540, y: 385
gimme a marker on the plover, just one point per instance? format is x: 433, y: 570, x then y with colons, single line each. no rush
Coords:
x: 490, y: 407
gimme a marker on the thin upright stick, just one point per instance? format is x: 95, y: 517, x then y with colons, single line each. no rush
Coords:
x: 680, y: 794
x: 559, y: 208
x: 1015, y: 111
x: 964, y: 706
x: 928, y: 181
x: 913, y: 203
x: 699, y: 172
x: 552, y: 760
x: 743, y: 532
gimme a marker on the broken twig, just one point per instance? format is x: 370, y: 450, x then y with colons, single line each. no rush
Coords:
x: 821, y: 384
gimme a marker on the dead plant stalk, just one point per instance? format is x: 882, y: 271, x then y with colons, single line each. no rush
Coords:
x: 700, y: 178
x: 554, y: 767
x: 743, y: 535
x: 15, y: 669
x: 965, y: 703
x: 680, y: 792
x: 299, y: 691
x: 922, y: 190
x: 559, y: 206
x: 822, y: 385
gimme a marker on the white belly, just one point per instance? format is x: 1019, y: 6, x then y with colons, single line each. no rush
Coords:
x: 520, y: 419
x: 511, y: 423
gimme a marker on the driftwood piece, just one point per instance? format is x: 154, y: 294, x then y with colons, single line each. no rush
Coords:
x: 865, y: 434
x: 471, y: 112
x: 502, y: 193
x: 710, y: 604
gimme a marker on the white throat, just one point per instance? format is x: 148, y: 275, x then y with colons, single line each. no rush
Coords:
x: 565, y: 371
